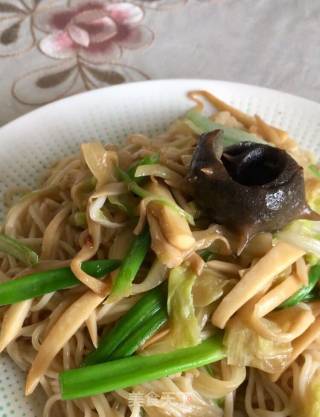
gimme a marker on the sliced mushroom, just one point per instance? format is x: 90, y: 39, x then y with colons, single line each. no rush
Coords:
x: 248, y: 187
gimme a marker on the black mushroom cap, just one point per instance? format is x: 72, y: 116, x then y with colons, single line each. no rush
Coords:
x: 248, y: 187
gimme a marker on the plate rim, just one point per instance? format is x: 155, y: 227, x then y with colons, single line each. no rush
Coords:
x: 135, y: 84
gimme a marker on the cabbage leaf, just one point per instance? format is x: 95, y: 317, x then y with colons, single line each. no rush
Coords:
x: 184, y: 326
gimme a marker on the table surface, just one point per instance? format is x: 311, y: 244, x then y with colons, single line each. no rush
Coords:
x: 54, y: 48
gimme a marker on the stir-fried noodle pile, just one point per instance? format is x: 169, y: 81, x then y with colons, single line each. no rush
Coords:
x: 93, y: 205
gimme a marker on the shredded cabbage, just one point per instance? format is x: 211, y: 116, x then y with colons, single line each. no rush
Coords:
x: 156, y: 275
x: 246, y: 348
x: 157, y: 170
x: 98, y: 216
x: 208, y: 287
x: 125, y: 202
x: 304, y: 234
x: 184, y: 326
x: 141, y: 192
x: 101, y: 162
x: 147, y: 160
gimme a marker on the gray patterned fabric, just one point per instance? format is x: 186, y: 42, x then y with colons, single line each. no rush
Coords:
x: 54, y: 48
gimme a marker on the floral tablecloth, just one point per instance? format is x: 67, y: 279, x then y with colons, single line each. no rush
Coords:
x: 54, y: 48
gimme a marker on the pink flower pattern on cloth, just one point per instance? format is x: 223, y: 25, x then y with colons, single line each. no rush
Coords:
x: 81, y: 42
x: 95, y: 31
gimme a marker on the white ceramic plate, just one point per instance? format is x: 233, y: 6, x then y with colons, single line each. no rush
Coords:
x: 32, y: 142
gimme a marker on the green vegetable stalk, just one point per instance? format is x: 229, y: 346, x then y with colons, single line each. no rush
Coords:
x: 306, y: 293
x: 132, y: 329
x: 315, y: 170
x: 139, y: 191
x: 130, y: 266
x: 40, y: 283
x: 231, y: 136
x: 147, y: 160
x: 123, y: 373
x: 141, y: 335
x: 207, y: 255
